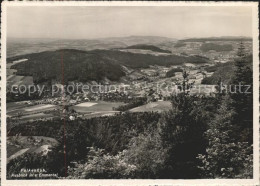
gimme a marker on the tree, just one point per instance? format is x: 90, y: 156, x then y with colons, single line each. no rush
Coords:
x: 242, y: 97
x: 231, y: 130
x: 146, y: 153
x: 222, y: 159
x: 181, y: 131
x: 102, y: 165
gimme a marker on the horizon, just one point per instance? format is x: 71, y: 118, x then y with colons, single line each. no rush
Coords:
x: 98, y: 38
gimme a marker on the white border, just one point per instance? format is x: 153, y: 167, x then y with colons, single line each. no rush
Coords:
x: 254, y: 181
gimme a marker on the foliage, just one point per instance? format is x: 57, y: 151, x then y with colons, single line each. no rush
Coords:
x: 226, y: 72
x: 171, y: 73
x: 143, y: 158
x: 145, y: 151
x: 217, y: 66
x: 231, y: 130
x: 30, y: 161
x: 109, y: 133
x: 181, y: 131
x: 14, y: 97
x: 75, y: 65
x: 242, y: 97
x: 134, y: 103
x: 101, y: 165
x: 223, y: 71
x: 222, y: 159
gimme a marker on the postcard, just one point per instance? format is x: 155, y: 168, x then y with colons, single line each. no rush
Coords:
x: 129, y: 93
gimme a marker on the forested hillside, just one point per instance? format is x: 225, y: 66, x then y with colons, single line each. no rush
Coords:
x: 148, y: 47
x: 90, y: 65
x: 224, y: 72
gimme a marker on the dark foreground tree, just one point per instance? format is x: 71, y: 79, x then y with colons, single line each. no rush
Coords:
x: 242, y: 95
x: 181, y: 131
x: 226, y: 157
x: 230, y: 134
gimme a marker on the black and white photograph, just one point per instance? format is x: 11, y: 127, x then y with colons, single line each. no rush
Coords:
x: 130, y: 91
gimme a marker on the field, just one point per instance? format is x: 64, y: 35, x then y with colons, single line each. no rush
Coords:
x: 40, y: 107
x: 37, y: 116
x: 16, y: 105
x: 86, y: 104
x: 98, y: 106
x: 13, y: 79
x: 28, y: 112
x: 96, y: 109
x: 19, y: 80
x: 158, y: 106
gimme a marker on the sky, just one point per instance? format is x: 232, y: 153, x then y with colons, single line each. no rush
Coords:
x: 100, y: 22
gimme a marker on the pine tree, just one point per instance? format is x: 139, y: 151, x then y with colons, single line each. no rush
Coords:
x: 242, y: 98
x: 225, y: 157
x: 181, y: 131
x: 229, y: 153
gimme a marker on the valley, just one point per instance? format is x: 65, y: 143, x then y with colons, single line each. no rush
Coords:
x: 144, y: 75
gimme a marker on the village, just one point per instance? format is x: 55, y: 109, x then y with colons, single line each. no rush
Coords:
x: 154, y: 84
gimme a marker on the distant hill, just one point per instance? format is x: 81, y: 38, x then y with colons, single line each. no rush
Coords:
x: 135, y: 40
x: 148, y: 47
x: 225, y: 38
x: 77, y: 65
x: 18, y: 46
x: 90, y: 65
x: 205, y: 47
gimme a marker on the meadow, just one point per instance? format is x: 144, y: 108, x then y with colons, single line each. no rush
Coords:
x: 96, y: 106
